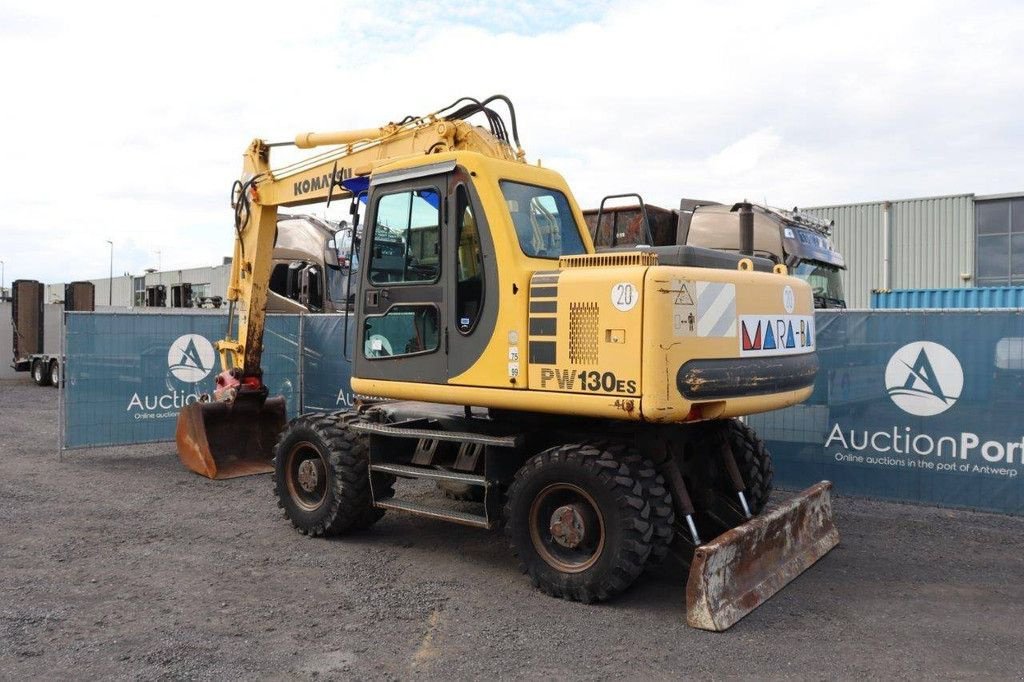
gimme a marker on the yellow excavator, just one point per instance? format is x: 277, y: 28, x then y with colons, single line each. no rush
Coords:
x: 589, y: 402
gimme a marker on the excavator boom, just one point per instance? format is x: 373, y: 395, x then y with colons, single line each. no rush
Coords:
x: 234, y: 434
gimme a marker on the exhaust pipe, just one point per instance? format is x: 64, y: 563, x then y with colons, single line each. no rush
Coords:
x: 746, y: 228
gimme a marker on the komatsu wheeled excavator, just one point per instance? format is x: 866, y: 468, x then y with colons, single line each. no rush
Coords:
x: 591, y: 400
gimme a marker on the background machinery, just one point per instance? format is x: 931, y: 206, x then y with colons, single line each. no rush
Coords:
x: 590, y: 397
x: 799, y: 240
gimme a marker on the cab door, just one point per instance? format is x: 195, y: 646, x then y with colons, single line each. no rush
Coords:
x: 402, y: 309
x: 473, y: 283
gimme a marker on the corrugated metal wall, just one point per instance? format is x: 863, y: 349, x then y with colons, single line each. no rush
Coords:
x: 970, y: 297
x: 932, y: 243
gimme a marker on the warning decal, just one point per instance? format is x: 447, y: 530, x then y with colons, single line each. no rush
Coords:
x: 684, y: 307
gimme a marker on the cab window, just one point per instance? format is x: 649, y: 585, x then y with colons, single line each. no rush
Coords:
x: 543, y: 220
x: 469, y: 287
x: 405, y: 238
x: 403, y: 330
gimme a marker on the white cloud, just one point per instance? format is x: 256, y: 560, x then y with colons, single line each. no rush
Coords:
x: 127, y: 121
x: 744, y: 155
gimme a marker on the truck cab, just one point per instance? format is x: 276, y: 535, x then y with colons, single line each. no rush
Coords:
x: 802, y: 242
x: 310, y: 266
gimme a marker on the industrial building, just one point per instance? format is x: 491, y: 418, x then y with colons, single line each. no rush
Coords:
x: 943, y: 242
x: 204, y: 287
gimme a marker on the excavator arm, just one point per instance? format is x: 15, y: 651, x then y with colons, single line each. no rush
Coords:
x: 234, y: 434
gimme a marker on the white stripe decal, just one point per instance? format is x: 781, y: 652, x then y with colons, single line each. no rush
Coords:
x: 716, y: 305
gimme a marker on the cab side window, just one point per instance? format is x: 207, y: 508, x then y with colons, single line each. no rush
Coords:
x: 405, y: 238
x: 469, y: 286
x: 403, y: 330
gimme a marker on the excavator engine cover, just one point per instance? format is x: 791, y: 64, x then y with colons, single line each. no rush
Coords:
x: 742, y: 568
x: 229, y: 439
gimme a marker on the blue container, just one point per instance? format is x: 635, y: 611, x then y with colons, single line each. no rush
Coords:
x: 968, y: 297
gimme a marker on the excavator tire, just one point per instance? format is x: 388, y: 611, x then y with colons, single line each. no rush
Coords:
x: 663, y: 515
x: 579, y: 523
x: 321, y: 476
x: 708, y: 476
x: 754, y: 462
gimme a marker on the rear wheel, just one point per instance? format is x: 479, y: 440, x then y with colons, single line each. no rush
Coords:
x: 579, y: 523
x: 321, y: 476
x: 54, y: 373
x: 754, y: 462
x: 707, y: 473
x: 40, y: 373
x: 656, y: 492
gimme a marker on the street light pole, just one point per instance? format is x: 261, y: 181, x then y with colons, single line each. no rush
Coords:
x: 110, y: 283
x: 2, y: 297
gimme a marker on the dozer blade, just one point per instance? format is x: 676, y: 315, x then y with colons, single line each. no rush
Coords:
x: 226, y: 440
x: 742, y: 568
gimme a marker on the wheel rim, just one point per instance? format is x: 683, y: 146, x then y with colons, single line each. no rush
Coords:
x: 567, y: 528
x: 306, y: 476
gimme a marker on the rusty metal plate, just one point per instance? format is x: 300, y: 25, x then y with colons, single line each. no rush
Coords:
x: 227, y: 440
x: 742, y: 568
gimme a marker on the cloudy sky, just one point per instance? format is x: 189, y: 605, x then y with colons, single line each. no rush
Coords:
x: 127, y: 122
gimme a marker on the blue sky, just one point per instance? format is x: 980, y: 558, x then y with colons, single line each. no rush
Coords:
x: 127, y: 122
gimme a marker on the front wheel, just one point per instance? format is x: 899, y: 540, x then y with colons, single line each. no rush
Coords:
x: 55, y: 373
x: 322, y: 478
x: 578, y: 521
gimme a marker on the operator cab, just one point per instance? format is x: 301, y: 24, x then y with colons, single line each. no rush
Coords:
x: 429, y: 302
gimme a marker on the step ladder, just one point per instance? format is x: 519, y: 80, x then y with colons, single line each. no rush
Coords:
x: 486, y: 520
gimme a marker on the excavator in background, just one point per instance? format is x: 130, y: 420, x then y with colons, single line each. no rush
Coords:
x: 592, y: 398
x: 801, y: 241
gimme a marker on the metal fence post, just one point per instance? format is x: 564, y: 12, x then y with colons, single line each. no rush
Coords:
x: 63, y: 373
x: 302, y: 363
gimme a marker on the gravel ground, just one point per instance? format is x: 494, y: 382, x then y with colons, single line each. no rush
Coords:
x: 119, y: 563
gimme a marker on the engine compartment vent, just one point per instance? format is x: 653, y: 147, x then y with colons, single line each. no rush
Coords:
x: 583, y: 333
x: 604, y: 260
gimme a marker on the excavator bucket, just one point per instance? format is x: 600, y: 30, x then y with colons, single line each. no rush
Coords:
x: 742, y: 568
x: 230, y: 439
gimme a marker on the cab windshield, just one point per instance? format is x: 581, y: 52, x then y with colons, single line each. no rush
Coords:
x: 825, y: 284
x: 543, y: 220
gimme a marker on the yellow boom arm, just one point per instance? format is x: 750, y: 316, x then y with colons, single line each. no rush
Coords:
x: 261, y: 190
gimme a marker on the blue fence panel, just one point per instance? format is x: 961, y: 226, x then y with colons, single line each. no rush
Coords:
x: 913, y: 405
x: 326, y: 373
x: 281, y: 358
x: 128, y: 375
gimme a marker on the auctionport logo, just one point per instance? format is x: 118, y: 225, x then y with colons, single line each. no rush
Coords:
x: 924, y: 378
x: 191, y: 358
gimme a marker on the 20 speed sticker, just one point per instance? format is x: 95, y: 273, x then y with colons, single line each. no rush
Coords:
x: 625, y: 296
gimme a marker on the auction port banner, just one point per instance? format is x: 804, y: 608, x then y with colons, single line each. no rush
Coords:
x: 127, y: 375
x: 917, y: 406
x: 911, y: 405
